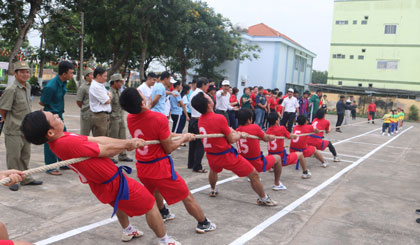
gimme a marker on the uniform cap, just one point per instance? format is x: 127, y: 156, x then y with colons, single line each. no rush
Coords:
x: 21, y: 65
x: 116, y: 77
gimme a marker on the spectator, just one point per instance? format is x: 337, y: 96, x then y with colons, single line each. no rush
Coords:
x: 100, y: 103
x: 246, y: 99
x: 235, y: 104
x: 314, y: 104
x: 341, y: 107
x: 158, y: 97
x: 273, y: 102
x: 324, y: 102
x: 146, y: 88
x: 290, y: 107
x: 184, y: 94
x: 211, y: 91
x: 372, y: 111
x: 253, y: 97
x: 353, y: 109
x: 347, y: 112
x: 179, y: 112
x: 222, y: 100
x: 261, y: 107
x: 82, y: 101
x: 304, y: 104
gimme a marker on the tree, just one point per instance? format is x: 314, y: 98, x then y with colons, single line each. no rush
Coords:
x: 413, y: 113
x: 319, y: 77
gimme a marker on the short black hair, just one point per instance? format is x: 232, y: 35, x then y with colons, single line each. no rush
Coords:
x: 35, y: 127
x: 301, y: 120
x: 165, y: 75
x: 202, y: 81
x: 194, y: 81
x: 260, y: 88
x: 280, y: 93
x: 318, y: 90
x: 64, y: 67
x: 320, y: 113
x: 246, y: 89
x: 98, y: 71
x: 151, y: 75
x: 244, y: 115
x: 200, y: 102
x: 307, y: 92
x: 176, y: 84
x: 272, y: 118
x: 130, y: 101
x: 296, y: 92
x: 235, y: 90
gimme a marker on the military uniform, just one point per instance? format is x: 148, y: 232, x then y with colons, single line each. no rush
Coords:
x: 16, y: 101
x: 85, y: 112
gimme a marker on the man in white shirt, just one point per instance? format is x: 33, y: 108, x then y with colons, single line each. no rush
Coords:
x: 222, y: 100
x: 196, y: 149
x: 146, y: 88
x: 100, y: 103
x: 290, y: 108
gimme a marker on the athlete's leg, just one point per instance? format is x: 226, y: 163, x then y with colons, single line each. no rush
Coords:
x: 159, y: 200
x: 3, y: 232
x: 332, y: 149
x: 256, y: 184
x: 155, y: 222
x: 319, y: 156
x: 213, y: 179
x: 302, y: 160
x: 277, y: 170
x: 194, y: 208
x: 123, y: 219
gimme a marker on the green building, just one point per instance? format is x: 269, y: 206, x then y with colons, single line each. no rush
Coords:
x: 376, y: 43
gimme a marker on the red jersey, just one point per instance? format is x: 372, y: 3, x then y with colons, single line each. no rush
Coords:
x: 233, y: 99
x: 212, y: 123
x: 301, y: 141
x: 93, y: 171
x: 277, y: 145
x: 150, y: 125
x: 273, y: 102
x: 253, y: 96
x: 321, y: 124
x: 372, y: 108
x: 250, y: 148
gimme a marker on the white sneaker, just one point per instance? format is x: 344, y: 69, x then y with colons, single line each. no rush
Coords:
x: 383, y: 133
x: 307, y: 175
x: 169, y: 216
x: 324, y: 164
x: 336, y: 159
x: 127, y: 237
x: 171, y: 241
x: 266, y: 202
x: 389, y: 134
x: 280, y: 187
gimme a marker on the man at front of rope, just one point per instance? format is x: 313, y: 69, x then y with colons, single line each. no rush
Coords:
x: 220, y: 154
x: 300, y: 144
x: 155, y: 167
x: 106, y: 181
x: 250, y: 148
x: 316, y: 140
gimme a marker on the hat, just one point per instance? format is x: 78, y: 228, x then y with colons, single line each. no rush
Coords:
x: 173, y: 80
x: 211, y: 87
x: 225, y: 82
x: 87, y: 71
x: 116, y: 77
x: 290, y: 90
x: 21, y: 65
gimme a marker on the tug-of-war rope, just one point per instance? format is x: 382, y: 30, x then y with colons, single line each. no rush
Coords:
x: 148, y: 142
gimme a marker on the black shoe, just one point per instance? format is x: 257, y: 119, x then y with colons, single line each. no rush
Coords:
x: 417, y: 211
x: 127, y: 159
x: 14, y: 187
x: 114, y: 161
x: 338, y: 130
x: 418, y: 220
x: 34, y: 182
x: 64, y: 168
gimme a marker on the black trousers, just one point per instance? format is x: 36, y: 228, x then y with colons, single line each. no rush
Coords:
x: 196, y: 149
x: 372, y: 116
x: 340, y: 118
x: 225, y: 114
x: 287, y: 120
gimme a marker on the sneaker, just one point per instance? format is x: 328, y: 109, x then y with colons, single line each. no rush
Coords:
x: 383, y: 133
x: 127, y: 237
x: 324, y: 164
x: 417, y: 211
x: 14, y: 187
x: 266, y: 202
x: 214, y: 193
x: 279, y: 187
x: 169, y: 216
x: 205, y: 228
x: 389, y: 134
x: 336, y: 159
x: 308, y: 175
x: 171, y: 241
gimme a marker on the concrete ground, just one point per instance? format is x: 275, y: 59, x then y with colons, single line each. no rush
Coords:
x: 365, y: 199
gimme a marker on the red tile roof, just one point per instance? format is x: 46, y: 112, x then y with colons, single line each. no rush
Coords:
x: 266, y: 31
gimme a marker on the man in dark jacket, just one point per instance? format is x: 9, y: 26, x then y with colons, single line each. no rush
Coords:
x: 341, y: 106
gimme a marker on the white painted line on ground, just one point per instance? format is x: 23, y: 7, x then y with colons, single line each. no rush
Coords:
x: 365, y: 143
x: 261, y: 227
x: 107, y: 221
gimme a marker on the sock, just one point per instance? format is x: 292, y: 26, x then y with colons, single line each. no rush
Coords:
x: 264, y: 198
x: 164, y: 211
x: 129, y: 229
x: 204, y: 222
x: 165, y: 238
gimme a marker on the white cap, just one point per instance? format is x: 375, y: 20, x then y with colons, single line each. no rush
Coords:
x: 290, y: 90
x: 225, y: 82
x: 173, y: 80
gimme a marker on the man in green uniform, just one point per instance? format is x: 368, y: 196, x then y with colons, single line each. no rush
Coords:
x: 117, y: 125
x: 82, y: 100
x: 52, y: 98
x: 15, y: 103
x: 314, y: 104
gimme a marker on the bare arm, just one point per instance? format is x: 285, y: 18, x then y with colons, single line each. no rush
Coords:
x: 155, y: 101
x: 170, y: 145
x: 3, y: 114
x: 268, y: 137
x: 109, y: 147
x: 235, y: 136
x: 79, y: 104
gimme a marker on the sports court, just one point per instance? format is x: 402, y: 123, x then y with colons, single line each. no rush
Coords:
x: 369, y: 197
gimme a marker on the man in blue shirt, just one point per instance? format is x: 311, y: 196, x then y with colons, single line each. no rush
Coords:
x: 52, y: 98
x: 261, y: 107
x: 159, y: 93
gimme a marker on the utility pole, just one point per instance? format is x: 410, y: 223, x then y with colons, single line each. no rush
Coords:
x: 82, y: 38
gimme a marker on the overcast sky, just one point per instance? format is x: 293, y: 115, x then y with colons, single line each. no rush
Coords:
x: 308, y: 22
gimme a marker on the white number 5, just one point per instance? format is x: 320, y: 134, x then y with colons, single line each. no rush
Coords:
x: 242, y: 146
x: 297, y: 138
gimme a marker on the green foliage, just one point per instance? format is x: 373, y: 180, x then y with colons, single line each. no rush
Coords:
x: 71, y: 86
x: 413, y: 113
x: 319, y: 77
x: 33, y: 80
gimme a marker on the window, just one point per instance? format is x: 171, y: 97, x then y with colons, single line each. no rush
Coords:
x: 363, y: 50
x: 387, y: 65
x: 354, y: 22
x: 370, y: 85
x: 360, y: 85
x: 351, y: 57
x: 364, y: 22
x: 390, y: 29
x: 366, y: 17
x: 334, y: 56
x: 343, y: 56
x: 340, y: 82
x: 361, y: 57
x: 341, y: 22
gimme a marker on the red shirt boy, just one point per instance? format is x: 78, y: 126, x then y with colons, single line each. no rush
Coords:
x: 276, y: 147
x: 301, y: 142
x: 316, y: 140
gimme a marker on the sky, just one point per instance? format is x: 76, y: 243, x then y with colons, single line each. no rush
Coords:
x: 308, y: 22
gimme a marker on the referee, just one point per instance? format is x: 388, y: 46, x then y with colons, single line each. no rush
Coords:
x: 290, y: 105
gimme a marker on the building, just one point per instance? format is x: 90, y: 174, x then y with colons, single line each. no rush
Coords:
x: 282, y: 62
x: 376, y: 44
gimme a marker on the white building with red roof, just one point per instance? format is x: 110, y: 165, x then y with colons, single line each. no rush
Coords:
x: 282, y: 62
